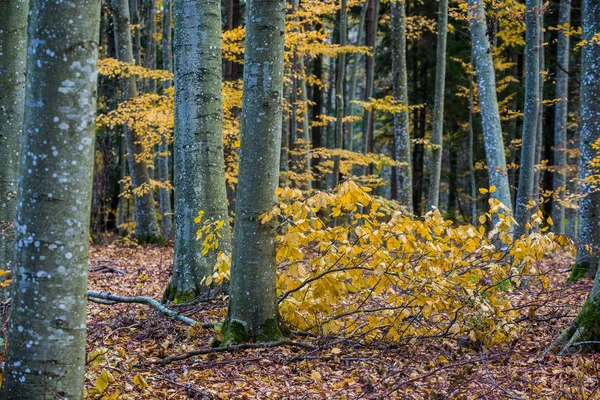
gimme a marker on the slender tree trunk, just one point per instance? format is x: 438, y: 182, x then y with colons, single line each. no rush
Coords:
x: 438, y: 109
x: 163, y: 158
x: 473, y: 184
x: 539, y: 140
x: 46, y: 339
x: 122, y: 212
x: 370, y: 41
x: 351, y: 108
x: 146, y: 225
x: 486, y: 82
x: 339, y: 90
x: 150, y: 49
x: 531, y: 111
x: 13, y: 56
x: 588, y: 248
x: 317, y: 111
x: 253, y: 311
x: 560, y: 117
x: 137, y: 36
x: 199, y: 180
x: 305, y: 157
x: 284, y: 165
x: 402, y: 175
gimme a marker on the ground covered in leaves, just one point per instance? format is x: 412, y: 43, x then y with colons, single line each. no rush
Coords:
x: 126, y: 340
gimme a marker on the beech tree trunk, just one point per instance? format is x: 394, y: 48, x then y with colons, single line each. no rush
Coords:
x: 163, y: 158
x: 488, y: 102
x: 199, y: 180
x: 339, y: 90
x: 588, y: 236
x: 253, y: 311
x: 560, y: 117
x: 350, y: 108
x: 146, y: 225
x: 370, y: 41
x: 402, y: 175
x: 437, y: 140
x: 531, y: 116
x: 46, y: 338
x: 13, y: 56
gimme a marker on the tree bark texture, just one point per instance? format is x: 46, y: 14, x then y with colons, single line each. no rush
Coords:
x: 199, y: 180
x: 46, y: 351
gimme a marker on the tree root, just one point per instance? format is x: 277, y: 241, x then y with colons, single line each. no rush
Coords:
x: 238, y: 347
x: 109, y: 299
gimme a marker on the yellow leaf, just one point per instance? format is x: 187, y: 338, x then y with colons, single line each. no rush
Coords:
x: 140, y: 382
x: 316, y: 375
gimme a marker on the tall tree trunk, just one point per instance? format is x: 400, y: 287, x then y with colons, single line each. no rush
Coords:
x: 163, y: 158
x: 438, y: 110
x: 588, y: 248
x: 531, y: 112
x: 146, y: 225
x: 304, y: 148
x: 13, y: 57
x: 317, y: 111
x: 150, y: 49
x: 199, y: 180
x: 560, y: 117
x: 350, y: 107
x: 339, y: 91
x: 539, y: 140
x: 472, y: 182
x: 46, y: 351
x: 402, y: 174
x: 253, y: 311
x: 370, y: 41
x: 486, y: 82
x: 137, y: 36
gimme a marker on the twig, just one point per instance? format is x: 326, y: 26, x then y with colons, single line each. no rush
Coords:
x: 92, y: 294
x: 228, y: 349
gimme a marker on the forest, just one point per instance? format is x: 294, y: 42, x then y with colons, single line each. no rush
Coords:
x: 299, y: 199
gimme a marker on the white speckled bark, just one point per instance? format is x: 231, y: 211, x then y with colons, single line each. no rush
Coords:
x: 488, y: 103
x: 13, y: 54
x: 46, y: 340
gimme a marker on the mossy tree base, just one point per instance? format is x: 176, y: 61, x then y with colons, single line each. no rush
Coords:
x: 150, y: 240
x: 236, y: 332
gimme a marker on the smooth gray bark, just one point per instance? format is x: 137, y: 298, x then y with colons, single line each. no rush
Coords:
x: 531, y: 116
x: 539, y: 141
x: 589, y: 204
x: 163, y: 158
x: 13, y: 55
x: 339, y: 90
x: 559, y: 182
x: 473, y: 183
x: 253, y: 311
x: 438, y: 108
x: 488, y: 102
x: 146, y: 224
x: 150, y: 49
x: 401, y: 147
x: 199, y: 180
x: 137, y: 36
x: 46, y: 338
x: 351, y: 95
x: 370, y: 41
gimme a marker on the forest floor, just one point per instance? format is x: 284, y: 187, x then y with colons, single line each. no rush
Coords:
x: 125, y: 339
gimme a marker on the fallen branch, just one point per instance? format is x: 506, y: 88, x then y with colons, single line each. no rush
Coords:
x: 238, y: 347
x: 93, y: 295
